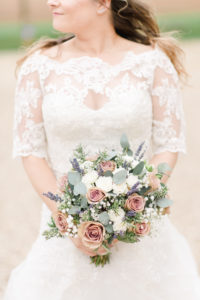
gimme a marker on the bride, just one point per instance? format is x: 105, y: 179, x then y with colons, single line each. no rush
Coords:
x: 115, y: 74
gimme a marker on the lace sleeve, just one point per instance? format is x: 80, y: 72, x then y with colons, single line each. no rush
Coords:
x: 28, y: 129
x: 168, y: 127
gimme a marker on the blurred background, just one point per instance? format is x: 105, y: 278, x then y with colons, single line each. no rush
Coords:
x: 22, y: 22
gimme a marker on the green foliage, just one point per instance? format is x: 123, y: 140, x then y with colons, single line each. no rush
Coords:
x: 138, y: 169
x: 51, y: 233
x: 109, y: 228
x: 84, y: 202
x: 74, y: 177
x: 119, y: 177
x: 100, y: 260
x: 104, y: 218
x: 80, y: 188
x: 74, y: 210
x: 128, y: 237
x: 79, y: 153
x: 164, y: 202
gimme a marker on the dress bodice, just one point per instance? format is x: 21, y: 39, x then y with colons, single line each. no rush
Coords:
x: 86, y: 100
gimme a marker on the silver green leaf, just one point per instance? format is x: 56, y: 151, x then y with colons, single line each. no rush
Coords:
x: 124, y: 141
x: 104, y: 218
x: 80, y: 188
x: 119, y: 177
x: 163, y: 168
x: 138, y: 169
x: 74, y: 210
x: 164, y: 202
x: 109, y: 228
x: 84, y: 202
x: 74, y: 177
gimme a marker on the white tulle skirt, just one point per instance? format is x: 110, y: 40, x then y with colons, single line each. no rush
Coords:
x: 160, y: 267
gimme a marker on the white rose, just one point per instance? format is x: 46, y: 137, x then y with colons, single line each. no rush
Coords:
x: 128, y: 158
x: 104, y: 183
x: 116, y: 216
x: 120, y: 188
x: 120, y: 226
x: 131, y: 180
x: 87, y: 164
x: 90, y: 177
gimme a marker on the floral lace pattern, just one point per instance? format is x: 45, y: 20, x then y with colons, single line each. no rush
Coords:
x: 87, y: 100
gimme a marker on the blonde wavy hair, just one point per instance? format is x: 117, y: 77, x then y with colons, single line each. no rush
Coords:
x: 134, y: 21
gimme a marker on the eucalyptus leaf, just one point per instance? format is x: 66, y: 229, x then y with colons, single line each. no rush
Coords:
x: 80, y: 188
x: 104, y: 218
x: 109, y: 228
x: 84, y: 202
x: 130, y: 152
x: 119, y: 177
x: 164, y: 202
x: 111, y: 155
x: 138, y: 169
x: 74, y: 210
x: 124, y: 141
x: 163, y: 168
x: 74, y: 177
x: 108, y: 173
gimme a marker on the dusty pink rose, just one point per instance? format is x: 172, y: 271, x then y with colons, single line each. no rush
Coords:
x: 154, y: 182
x: 63, y: 181
x: 95, y: 195
x: 135, y: 202
x: 108, y: 165
x: 91, y: 234
x: 142, y: 228
x: 92, y: 157
x: 60, y: 221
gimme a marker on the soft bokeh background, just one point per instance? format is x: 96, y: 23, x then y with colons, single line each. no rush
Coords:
x: 23, y: 21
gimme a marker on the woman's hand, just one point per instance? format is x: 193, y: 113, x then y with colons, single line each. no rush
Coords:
x: 101, y: 251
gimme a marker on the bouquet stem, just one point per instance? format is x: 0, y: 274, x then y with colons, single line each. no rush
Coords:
x: 100, y: 260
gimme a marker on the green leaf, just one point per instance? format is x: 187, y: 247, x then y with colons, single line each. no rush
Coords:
x: 164, y: 202
x: 130, y: 152
x: 111, y: 155
x: 74, y: 210
x: 104, y: 218
x: 109, y: 228
x: 108, y: 173
x: 138, y: 169
x: 80, y: 188
x: 84, y: 202
x: 119, y: 177
x: 74, y: 177
x: 124, y: 141
x: 163, y: 168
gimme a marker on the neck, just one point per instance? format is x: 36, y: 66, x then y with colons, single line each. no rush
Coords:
x: 96, y: 41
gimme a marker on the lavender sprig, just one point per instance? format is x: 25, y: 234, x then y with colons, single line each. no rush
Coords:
x: 130, y: 213
x: 76, y: 166
x: 53, y: 197
x: 139, y: 149
x: 133, y: 189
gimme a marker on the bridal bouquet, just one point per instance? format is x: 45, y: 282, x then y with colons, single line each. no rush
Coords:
x: 116, y: 195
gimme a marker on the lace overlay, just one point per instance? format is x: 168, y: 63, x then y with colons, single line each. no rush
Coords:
x: 87, y: 100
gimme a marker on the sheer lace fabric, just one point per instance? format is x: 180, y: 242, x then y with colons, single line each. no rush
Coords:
x: 87, y: 100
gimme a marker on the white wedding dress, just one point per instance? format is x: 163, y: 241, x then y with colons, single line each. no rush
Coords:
x: 140, y: 96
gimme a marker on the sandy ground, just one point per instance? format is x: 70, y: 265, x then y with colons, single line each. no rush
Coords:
x: 20, y: 206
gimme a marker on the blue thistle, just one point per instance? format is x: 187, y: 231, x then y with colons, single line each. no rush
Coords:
x: 133, y: 189
x: 52, y: 196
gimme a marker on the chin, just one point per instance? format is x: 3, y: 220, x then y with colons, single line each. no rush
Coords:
x: 59, y: 27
